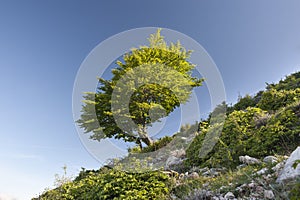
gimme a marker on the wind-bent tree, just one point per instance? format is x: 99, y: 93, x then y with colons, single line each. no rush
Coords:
x: 155, y: 77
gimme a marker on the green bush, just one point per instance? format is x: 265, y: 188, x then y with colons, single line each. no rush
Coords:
x: 245, y: 102
x: 281, y: 134
x: 295, y: 192
x: 266, y: 124
x: 291, y: 82
x: 272, y: 99
x: 252, y: 132
x: 113, y: 184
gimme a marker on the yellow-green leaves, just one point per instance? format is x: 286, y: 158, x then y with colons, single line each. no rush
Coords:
x: 149, y: 84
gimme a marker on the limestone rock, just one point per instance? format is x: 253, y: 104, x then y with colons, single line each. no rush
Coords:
x: 180, y: 153
x: 193, y: 175
x: 270, y: 159
x: 288, y: 172
x: 229, y: 195
x: 202, y: 170
x: 173, y: 161
x: 248, y: 160
x: 268, y: 194
x: 277, y: 168
x: 262, y: 171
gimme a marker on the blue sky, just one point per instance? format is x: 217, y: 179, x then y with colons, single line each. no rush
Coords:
x: 42, y: 45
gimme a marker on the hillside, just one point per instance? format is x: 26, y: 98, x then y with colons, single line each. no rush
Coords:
x: 258, y: 135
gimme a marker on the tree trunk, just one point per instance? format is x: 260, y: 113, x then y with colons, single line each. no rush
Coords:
x: 142, y: 131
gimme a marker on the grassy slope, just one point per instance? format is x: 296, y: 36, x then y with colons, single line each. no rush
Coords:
x: 271, y: 119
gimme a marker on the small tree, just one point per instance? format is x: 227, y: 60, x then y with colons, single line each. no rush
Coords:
x: 156, y: 79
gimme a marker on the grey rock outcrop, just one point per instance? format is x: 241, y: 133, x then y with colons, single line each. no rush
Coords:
x: 229, y: 195
x: 268, y: 194
x: 248, y: 160
x: 288, y: 172
x: 270, y: 160
x: 172, y: 162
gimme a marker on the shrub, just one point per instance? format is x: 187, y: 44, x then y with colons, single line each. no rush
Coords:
x: 295, y: 192
x: 291, y: 82
x: 241, y: 135
x: 114, y: 184
x: 272, y: 99
x: 244, y: 102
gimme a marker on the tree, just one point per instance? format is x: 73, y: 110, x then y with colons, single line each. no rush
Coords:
x: 149, y: 84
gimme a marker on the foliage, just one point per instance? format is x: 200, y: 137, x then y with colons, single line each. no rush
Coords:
x: 161, y: 142
x: 272, y: 99
x: 62, y: 179
x: 296, y: 163
x: 281, y: 134
x: 186, y: 188
x: 243, y: 130
x: 273, y: 122
x: 229, y: 146
x: 113, y: 184
x: 295, y: 192
x: 244, y: 102
x: 291, y: 82
x: 166, y: 96
x: 232, y: 179
x: 266, y: 124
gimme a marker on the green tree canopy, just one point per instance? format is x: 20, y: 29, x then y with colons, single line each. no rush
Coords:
x: 147, y: 85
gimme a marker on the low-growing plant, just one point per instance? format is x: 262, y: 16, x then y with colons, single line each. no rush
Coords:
x: 273, y: 100
x: 114, y: 184
x: 294, y: 194
x: 252, y: 132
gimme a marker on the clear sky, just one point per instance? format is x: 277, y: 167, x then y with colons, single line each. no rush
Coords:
x: 43, y: 43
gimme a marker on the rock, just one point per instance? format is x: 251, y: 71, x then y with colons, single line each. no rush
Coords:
x: 239, y: 190
x: 285, y: 157
x: 248, y: 160
x: 180, y: 153
x: 221, y: 170
x: 193, y: 175
x: 270, y: 160
x: 173, y: 196
x: 173, y: 161
x: 229, y: 195
x: 202, y: 170
x: 205, y: 185
x: 211, y: 173
x: 277, y: 168
x: 288, y: 172
x: 259, y: 190
x: 241, y: 166
x: 209, y: 194
x: 268, y: 194
x: 199, y: 194
x: 223, y: 187
x: 194, y: 169
x: 183, y: 138
x: 268, y: 178
x: 255, y: 196
x: 252, y: 185
x: 262, y: 171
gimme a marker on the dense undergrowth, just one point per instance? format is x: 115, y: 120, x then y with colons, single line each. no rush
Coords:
x: 267, y: 123
x: 113, y: 184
